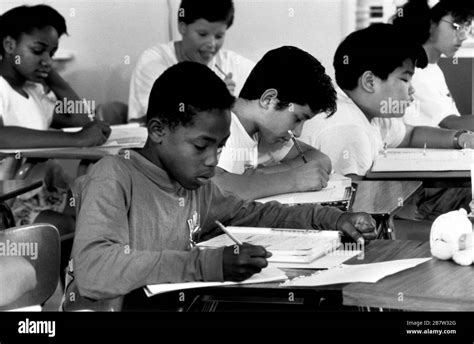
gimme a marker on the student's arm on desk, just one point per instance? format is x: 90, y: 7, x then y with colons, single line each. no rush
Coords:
x: 17, y: 276
x: 418, y: 136
x: 93, y: 134
x: 458, y: 122
x: 258, y: 185
x: 63, y: 91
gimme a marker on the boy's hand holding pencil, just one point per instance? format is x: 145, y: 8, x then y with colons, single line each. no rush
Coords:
x: 242, y: 260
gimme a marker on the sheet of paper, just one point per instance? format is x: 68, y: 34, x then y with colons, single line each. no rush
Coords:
x: 35, y: 308
x: 326, y: 262
x: 127, y: 135
x: 369, y: 273
x: 419, y: 159
x: 122, y: 136
x: 335, y: 191
x: 269, y: 274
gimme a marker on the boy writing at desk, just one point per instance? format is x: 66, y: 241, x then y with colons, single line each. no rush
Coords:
x: 287, y: 87
x: 374, y: 68
x: 140, y: 216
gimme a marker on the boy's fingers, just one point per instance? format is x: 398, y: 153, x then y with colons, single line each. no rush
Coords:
x: 350, y: 230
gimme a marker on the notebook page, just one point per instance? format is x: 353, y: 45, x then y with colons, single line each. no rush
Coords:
x: 269, y: 274
x: 419, y: 159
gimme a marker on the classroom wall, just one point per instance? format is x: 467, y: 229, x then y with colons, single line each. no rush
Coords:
x: 316, y: 26
x: 107, y: 36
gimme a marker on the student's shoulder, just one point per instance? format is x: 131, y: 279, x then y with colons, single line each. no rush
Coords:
x: 111, y: 167
x: 159, y: 54
x: 5, y: 87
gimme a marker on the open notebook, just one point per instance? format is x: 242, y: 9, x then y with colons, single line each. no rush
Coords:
x: 419, y: 159
x: 339, y: 193
x: 286, y: 245
x: 269, y: 274
x: 122, y: 136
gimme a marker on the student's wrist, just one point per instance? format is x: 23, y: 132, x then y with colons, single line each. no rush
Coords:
x: 461, y: 139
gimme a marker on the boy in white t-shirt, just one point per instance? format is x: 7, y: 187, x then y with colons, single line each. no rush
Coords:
x: 287, y: 87
x: 203, y: 25
x: 374, y: 68
x: 441, y: 30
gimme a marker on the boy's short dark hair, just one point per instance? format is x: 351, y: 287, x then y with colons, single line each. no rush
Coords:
x: 415, y: 17
x: 211, y: 10
x: 297, y: 76
x: 24, y: 19
x: 380, y: 49
x: 185, y: 89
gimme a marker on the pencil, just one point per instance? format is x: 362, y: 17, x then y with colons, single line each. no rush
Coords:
x: 297, y: 146
x: 226, y: 231
x: 220, y: 70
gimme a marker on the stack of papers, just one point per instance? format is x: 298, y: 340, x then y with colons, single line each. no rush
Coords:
x: 369, y: 273
x: 286, y: 245
x: 269, y: 274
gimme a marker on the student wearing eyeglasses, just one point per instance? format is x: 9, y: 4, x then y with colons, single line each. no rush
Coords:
x: 441, y: 30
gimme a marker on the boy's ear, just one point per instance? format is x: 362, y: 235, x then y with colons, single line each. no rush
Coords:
x: 182, y: 28
x: 268, y: 97
x: 156, y: 130
x: 367, y: 81
x: 9, y: 44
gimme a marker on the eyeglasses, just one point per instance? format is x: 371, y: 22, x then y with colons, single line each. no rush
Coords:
x: 460, y: 28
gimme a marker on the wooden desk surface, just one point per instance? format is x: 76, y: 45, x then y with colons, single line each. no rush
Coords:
x: 13, y: 188
x: 383, y: 197
x: 432, y: 286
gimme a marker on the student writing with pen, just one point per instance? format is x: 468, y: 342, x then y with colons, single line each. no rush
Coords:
x: 202, y: 25
x: 287, y: 87
x: 139, y: 217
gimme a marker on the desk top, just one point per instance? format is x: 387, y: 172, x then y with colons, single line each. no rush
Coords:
x: 13, y: 188
x: 383, y: 197
x: 432, y: 286
x: 88, y: 153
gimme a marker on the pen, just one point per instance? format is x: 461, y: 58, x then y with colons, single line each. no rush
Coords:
x: 220, y: 70
x: 297, y: 146
x: 226, y: 231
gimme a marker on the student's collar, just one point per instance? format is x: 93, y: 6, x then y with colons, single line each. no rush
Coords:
x: 156, y: 174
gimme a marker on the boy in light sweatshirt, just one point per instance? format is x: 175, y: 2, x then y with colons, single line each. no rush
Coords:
x: 140, y: 214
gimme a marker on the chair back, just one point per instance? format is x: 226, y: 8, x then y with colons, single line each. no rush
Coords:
x: 40, y: 245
